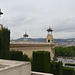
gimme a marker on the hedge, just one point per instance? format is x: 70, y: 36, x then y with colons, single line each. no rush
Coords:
x: 68, y: 71
x: 25, y: 57
x: 74, y: 72
x: 69, y: 64
x: 56, y: 68
x: 18, y: 55
x: 4, y: 43
x: 41, y: 61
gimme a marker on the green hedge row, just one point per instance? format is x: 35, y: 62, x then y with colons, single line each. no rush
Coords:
x: 41, y: 61
x: 18, y: 55
x: 56, y: 68
x: 68, y: 71
x: 4, y: 43
x: 69, y: 64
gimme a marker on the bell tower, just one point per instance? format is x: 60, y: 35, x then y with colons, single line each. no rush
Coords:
x: 49, y: 37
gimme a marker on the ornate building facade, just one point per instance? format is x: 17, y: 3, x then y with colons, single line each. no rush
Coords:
x: 28, y: 47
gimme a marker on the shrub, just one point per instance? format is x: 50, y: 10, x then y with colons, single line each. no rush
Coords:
x: 56, y: 68
x: 16, y: 55
x: 4, y: 43
x: 74, y: 72
x: 68, y: 71
x: 69, y: 64
x: 41, y: 61
x: 25, y: 57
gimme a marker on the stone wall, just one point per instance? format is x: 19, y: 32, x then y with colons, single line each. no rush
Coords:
x: 15, y: 68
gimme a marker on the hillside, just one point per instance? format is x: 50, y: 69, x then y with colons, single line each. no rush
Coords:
x: 44, y: 39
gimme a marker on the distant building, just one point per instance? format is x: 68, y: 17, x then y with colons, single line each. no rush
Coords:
x: 28, y: 47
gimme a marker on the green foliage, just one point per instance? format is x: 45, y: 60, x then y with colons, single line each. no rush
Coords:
x: 74, y: 72
x: 25, y: 57
x: 41, y: 61
x: 69, y: 64
x: 1, y: 42
x: 31, y: 60
x: 68, y: 71
x: 65, y: 51
x: 16, y: 55
x: 56, y: 68
x: 4, y: 43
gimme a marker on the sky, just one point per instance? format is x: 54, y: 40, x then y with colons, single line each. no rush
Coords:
x: 35, y: 16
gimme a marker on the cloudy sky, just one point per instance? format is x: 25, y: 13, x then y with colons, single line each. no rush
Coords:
x: 35, y: 16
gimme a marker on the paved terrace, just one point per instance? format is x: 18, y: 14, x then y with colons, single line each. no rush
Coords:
x: 9, y: 67
x: 6, y: 64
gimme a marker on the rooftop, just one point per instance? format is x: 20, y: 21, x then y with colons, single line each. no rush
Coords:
x: 50, y: 29
x: 27, y: 42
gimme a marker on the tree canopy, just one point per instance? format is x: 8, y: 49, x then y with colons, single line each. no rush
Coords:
x: 65, y: 51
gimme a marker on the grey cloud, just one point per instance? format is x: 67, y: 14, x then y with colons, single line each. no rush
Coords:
x: 67, y: 25
x: 35, y: 16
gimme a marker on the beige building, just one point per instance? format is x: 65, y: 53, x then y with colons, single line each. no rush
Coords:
x: 28, y: 47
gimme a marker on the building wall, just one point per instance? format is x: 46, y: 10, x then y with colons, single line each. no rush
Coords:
x: 28, y: 49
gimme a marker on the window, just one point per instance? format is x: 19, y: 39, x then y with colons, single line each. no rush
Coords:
x: 48, y: 40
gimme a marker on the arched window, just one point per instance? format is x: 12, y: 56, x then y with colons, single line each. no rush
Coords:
x: 48, y: 40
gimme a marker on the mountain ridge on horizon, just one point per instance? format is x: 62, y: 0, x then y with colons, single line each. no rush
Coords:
x: 44, y: 39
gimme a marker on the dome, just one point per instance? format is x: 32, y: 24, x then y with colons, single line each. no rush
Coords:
x: 1, y: 12
x: 25, y: 35
x: 50, y: 29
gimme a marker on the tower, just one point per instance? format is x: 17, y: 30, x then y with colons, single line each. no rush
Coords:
x: 25, y: 37
x: 49, y: 37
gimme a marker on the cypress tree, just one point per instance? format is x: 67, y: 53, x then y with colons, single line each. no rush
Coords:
x: 4, y: 43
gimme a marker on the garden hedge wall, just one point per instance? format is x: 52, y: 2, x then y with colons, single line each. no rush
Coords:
x: 69, y: 64
x: 4, y: 43
x: 56, y: 68
x: 68, y: 71
x: 41, y: 61
x: 18, y: 55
